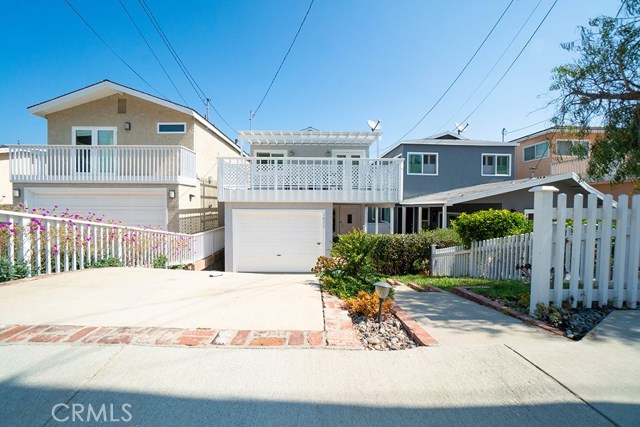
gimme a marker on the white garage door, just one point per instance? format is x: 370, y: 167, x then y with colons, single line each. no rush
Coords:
x: 133, y: 207
x: 270, y: 240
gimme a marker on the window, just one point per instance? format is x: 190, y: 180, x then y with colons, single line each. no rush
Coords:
x: 535, y: 152
x: 572, y: 148
x: 422, y: 164
x: 270, y: 154
x: 172, y: 127
x: 384, y: 215
x: 496, y: 164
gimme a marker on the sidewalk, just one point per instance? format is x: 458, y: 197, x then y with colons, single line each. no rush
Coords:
x: 601, y: 369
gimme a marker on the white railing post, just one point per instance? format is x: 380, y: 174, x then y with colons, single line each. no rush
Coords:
x: 542, y: 243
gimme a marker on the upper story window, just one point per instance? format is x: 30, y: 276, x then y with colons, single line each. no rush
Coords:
x: 496, y: 164
x: 172, y: 127
x: 535, y: 152
x: 422, y: 164
x: 572, y: 148
x: 270, y: 154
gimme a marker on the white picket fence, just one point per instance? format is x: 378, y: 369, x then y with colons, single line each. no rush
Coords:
x: 500, y: 258
x: 595, y: 260
x: 48, y: 244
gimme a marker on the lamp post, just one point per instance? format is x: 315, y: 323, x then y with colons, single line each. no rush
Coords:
x: 382, y: 290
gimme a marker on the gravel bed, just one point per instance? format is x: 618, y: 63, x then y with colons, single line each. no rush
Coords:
x: 391, y: 335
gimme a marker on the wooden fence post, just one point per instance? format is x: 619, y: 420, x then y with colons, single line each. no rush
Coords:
x: 542, y: 244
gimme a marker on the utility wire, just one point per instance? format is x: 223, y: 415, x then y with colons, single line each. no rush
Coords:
x: 513, y: 62
x: 459, y: 74
x: 492, y: 68
x: 192, y: 81
x: 153, y: 52
x: 526, y: 127
x: 110, y: 48
x: 285, y: 58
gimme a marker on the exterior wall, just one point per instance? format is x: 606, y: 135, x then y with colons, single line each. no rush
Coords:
x: 543, y: 166
x: 143, y: 116
x: 229, y: 207
x: 458, y: 166
x: 310, y: 150
x: 617, y: 191
x: 6, y: 188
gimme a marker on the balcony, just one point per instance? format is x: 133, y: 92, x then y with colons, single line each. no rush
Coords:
x: 298, y: 179
x: 148, y: 164
x: 578, y: 166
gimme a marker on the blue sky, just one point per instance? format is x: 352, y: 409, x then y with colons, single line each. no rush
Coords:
x: 354, y: 60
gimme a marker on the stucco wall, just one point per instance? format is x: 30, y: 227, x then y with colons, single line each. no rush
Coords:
x: 143, y: 116
x: 228, y: 235
x: 6, y: 189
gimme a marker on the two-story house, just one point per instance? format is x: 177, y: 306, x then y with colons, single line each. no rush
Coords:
x: 297, y: 191
x: 445, y: 162
x: 554, y: 151
x: 126, y: 155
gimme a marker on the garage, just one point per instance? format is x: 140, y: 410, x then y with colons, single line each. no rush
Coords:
x: 131, y: 206
x: 277, y: 240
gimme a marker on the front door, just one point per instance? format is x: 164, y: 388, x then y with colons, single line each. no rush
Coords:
x: 349, y: 218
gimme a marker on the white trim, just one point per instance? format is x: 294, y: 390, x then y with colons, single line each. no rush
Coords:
x: 361, y: 153
x: 94, y: 133
x: 422, y: 163
x: 282, y: 137
x: 546, y: 152
x: 285, y: 152
x: 397, y: 156
x: 495, y: 155
x: 171, y: 124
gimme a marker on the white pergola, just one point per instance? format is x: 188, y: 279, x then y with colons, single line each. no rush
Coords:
x: 308, y: 137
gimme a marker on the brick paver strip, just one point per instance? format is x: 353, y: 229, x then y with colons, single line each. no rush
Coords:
x: 96, y: 335
x: 413, y: 328
x: 81, y: 333
x: 240, y: 338
x: 28, y: 333
x: 296, y: 338
x: 13, y: 331
x: 315, y: 338
x: 268, y: 341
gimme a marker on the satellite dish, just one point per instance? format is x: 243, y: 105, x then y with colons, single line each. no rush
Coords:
x: 374, y: 125
x: 461, y: 128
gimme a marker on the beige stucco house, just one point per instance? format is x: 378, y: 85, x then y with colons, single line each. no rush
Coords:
x: 125, y: 155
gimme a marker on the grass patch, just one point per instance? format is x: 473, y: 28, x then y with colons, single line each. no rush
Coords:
x: 491, y: 288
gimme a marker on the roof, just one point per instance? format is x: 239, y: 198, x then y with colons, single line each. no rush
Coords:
x: 464, y: 142
x: 107, y: 88
x: 553, y: 130
x: 476, y: 192
x: 308, y: 136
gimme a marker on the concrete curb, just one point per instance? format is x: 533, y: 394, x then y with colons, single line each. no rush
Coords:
x: 465, y: 293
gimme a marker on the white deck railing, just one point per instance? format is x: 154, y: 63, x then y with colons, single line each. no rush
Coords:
x: 51, y: 245
x: 577, y: 166
x: 301, y: 179
x: 102, y: 164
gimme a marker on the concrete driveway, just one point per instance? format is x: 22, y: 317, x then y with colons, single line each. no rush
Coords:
x: 166, y: 298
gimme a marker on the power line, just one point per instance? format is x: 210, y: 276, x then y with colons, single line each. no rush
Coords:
x: 192, y: 81
x: 285, y: 58
x: 110, y: 48
x: 153, y: 52
x: 527, y: 127
x: 459, y: 74
x: 492, y: 68
x: 513, y: 62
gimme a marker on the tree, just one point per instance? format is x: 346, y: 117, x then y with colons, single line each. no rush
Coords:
x: 603, y: 85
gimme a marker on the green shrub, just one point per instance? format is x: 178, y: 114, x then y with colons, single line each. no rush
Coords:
x: 160, y: 261
x: 15, y: 271
x: 107, y: 262
x: 483, y: 225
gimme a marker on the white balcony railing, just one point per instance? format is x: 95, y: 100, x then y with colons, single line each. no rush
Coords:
x: 102, y: 164
x: 578, y: 166
x: 299, y: 179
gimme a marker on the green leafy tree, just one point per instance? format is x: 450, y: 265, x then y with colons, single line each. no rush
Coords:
x: 602, y: 85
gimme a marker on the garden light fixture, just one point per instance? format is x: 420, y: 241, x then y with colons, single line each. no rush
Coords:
x: 382, y: 290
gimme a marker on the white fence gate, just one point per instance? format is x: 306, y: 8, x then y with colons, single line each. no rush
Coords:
x: 596, y: 259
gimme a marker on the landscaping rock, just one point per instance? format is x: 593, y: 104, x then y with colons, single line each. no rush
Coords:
x: 390, y: 336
